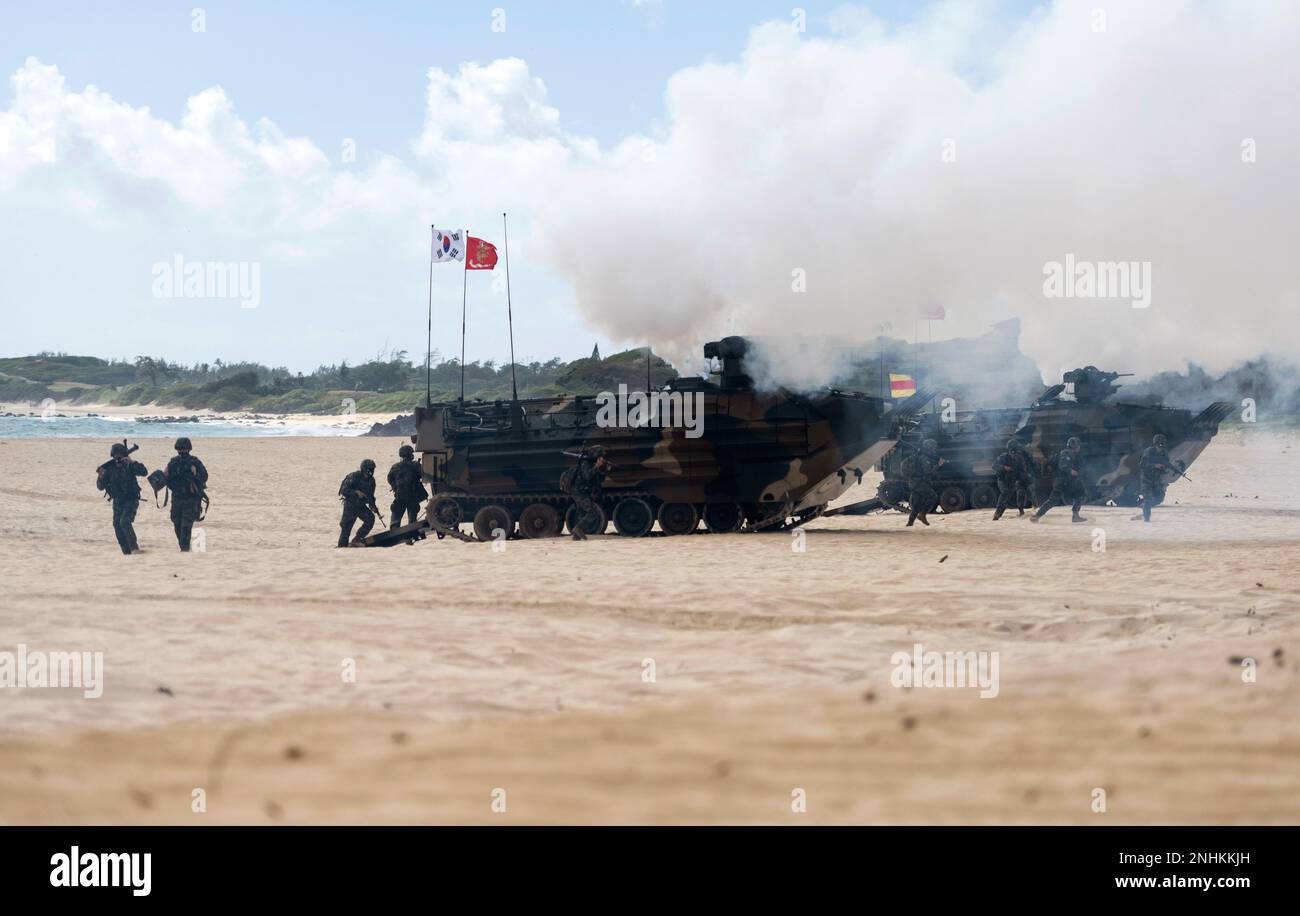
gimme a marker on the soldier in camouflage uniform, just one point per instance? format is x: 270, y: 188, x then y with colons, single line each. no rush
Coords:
x: 920, y: 471
x: 405, y: 480
x: 1067, y: 485
x: 1014, y: 477
x: 1155, y: 462
x: 358, y: 494
x: 117, y: 478
x: 187, y: 478
x: 588, y: 479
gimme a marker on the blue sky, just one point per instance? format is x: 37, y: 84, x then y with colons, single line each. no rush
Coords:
x: 334, y: 70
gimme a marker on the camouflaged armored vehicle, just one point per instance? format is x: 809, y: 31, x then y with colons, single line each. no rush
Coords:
x: 716, y: 451
x: 1113, y: 434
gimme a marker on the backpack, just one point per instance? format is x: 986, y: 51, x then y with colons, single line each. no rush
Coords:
x: 567, y: 480
x: 407, y: 481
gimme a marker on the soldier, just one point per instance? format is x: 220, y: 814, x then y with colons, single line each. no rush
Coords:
x: 1155, y: 462
x: 919, y: 469
x: 1067, y: 485
x: 405, y: 479
x: 588, y: 478
x: 117, y: 478
x: 1013, y: 475
x: 358, y: 494
x: 187, y: 478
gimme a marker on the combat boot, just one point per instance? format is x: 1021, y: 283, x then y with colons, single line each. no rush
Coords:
x: 1076, y: 517
x: 579, y: 534
x: 924, y: 520
x: 997, y: 513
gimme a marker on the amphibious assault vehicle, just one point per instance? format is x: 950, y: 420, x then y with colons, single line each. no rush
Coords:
x: 1114, y: 435
x: 719, y: 451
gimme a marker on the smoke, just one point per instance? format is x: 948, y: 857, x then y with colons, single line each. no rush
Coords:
x: 829, y: 185
x: 1273, y: 385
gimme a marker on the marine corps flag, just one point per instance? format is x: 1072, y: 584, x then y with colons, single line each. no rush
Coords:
x: 482, y: 255
x: 901, y: 386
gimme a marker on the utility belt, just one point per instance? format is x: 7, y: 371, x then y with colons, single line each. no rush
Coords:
x: 158, y: 480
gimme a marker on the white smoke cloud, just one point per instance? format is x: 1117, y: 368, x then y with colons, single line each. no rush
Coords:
x: 812, y: 163
x: 826, y: 155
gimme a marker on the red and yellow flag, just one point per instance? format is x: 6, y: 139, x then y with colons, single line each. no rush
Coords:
x: 901, y: 386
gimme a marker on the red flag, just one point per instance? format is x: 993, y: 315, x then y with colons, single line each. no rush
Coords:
x: 932, y: 313
x: 481, y: 255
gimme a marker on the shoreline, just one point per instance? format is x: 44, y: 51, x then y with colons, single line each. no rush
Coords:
x: 361, y: 422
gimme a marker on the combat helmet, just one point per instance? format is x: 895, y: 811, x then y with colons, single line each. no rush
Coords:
x: 406, y: 452
x: 183, y: 444
x: 596, y: 452
x: 118, y: 450
x: 930, y: 445
x: 1073, y: 442
x: 1014, y: 445
x: 367, y: 466
x: 1159, y: 440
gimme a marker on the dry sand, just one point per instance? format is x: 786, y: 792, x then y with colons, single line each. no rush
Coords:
x: 523, y: 670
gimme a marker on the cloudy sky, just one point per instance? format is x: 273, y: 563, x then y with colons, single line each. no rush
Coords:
x: 674, y: 172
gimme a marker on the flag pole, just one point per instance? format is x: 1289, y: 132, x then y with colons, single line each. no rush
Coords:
x: 505, y: 235
x: 464, y: 285
x: 882, y: 360
x: 428, y: 341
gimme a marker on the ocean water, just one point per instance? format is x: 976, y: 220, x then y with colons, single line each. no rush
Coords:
x: 116, y: 428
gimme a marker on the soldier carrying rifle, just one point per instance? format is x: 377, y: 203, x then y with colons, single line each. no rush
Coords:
x: 358, y: 494
x: 117, y: 479
x: 584, y: 482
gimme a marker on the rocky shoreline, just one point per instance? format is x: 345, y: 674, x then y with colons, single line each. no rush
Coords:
x: 402, y: 425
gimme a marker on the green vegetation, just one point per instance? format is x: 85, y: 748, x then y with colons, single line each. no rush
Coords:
x: 389, y: 383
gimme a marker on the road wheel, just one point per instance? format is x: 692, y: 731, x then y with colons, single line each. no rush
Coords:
x: 678, y: 518
x: 952, y: 498
x: 722, y: 518
x: 539, y: 520
x: 596, y: 527
x: 633, y: 517
x: 984, y: 496
x: 490, y: 519
x: 445, y: 511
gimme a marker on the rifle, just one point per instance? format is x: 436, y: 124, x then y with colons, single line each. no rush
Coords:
x: 131, y: 450
x: 916, y: 448
x: 1170, y: 467
x: 582, y: 456
x: 99, y: 471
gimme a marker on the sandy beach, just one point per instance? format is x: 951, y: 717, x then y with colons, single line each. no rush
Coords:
x: 702, y: 679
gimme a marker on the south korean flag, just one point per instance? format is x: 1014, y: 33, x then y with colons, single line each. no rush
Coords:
x: 449, y: 245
